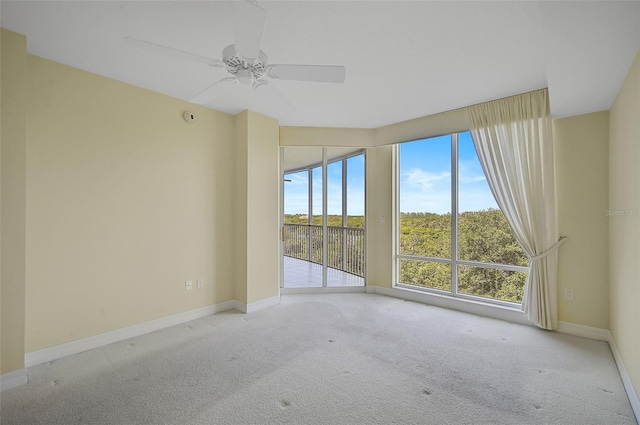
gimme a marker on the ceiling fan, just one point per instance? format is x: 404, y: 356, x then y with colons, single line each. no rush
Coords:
x: 244, y: 60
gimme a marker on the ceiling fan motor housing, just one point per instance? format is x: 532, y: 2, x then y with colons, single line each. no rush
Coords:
x: 245, y: 70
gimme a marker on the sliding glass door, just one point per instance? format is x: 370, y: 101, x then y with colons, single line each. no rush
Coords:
x: 323, y: 220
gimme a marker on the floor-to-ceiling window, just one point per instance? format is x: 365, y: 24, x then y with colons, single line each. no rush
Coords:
x: 452, y: 237
x: 323, y: 223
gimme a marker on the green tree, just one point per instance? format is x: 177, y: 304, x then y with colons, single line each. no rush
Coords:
x: 483, y: 236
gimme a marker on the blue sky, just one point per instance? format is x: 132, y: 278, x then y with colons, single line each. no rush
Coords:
x: 296, y: 192
x: 425, y: 181
x: 425, y: 176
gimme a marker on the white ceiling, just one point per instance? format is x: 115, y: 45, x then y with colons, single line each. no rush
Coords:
x: 404, y: 59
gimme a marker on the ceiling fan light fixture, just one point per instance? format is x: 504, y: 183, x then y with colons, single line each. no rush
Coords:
x: 245, y: 76
x: 245, y: 71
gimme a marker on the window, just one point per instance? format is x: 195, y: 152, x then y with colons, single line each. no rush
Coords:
x: 452, y: 237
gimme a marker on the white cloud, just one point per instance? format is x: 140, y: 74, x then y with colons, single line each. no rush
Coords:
x: 423, y: 191
x: 466, y: 178
x: 424, y: 179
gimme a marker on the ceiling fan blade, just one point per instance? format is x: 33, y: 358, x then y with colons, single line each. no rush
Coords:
x: 214, y: 90
x: 249, y: 25
x: 169, y: 51
x: 317, y: 73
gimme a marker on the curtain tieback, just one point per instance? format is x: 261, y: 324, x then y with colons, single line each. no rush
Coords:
x: 548, y: 251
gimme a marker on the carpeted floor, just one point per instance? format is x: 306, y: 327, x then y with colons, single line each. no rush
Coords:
x: 331, y: 359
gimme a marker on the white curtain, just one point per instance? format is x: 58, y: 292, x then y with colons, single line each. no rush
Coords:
x: 514, y: 142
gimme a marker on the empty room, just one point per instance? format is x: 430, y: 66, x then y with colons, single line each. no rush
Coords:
x: 319, y: 212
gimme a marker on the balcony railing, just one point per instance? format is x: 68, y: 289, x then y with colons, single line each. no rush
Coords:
x: 345, y: 246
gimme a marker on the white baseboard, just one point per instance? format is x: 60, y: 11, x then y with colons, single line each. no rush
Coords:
x: 626, y: 379
x: 466, y: 306
x: 241, y: 307
x: 257, y: 305
x: 583, y: 331
x: 56, y: 352
x: 12, y: 380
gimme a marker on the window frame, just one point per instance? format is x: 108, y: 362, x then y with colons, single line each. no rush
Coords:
x: 454, y: 261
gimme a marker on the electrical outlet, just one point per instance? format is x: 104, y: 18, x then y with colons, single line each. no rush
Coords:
x: 200, y: 283
x: 568, y: 294
x: 382, y: 218
x: 188, y: 285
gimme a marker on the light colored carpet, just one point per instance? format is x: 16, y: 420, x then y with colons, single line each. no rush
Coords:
x: 331, y: 359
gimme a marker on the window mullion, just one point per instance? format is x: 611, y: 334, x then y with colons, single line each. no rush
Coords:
x: 423, y: 258
x: 343, y: 231
x: 325, y: 212
x: 310, y: 209
x: 397, y: 218
x: 454, y: 214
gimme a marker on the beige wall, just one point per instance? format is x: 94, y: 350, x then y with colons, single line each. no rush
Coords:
x: 263, y: 206
x: 13, y: 49
x: 239, y: 183
x: 256, y: 187
x: 315, y: 136
x: 125, y: 202
x: 380, y: 216
x: 624, y: 224
x: 581, y: 148
x: 417, y: 128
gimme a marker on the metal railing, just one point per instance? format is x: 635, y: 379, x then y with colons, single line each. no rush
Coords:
x: 345, y: 246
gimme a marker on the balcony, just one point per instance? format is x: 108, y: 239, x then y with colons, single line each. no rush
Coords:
x: 303, y: 250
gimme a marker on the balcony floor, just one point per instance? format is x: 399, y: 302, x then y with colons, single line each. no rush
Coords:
x: 305, y: 274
